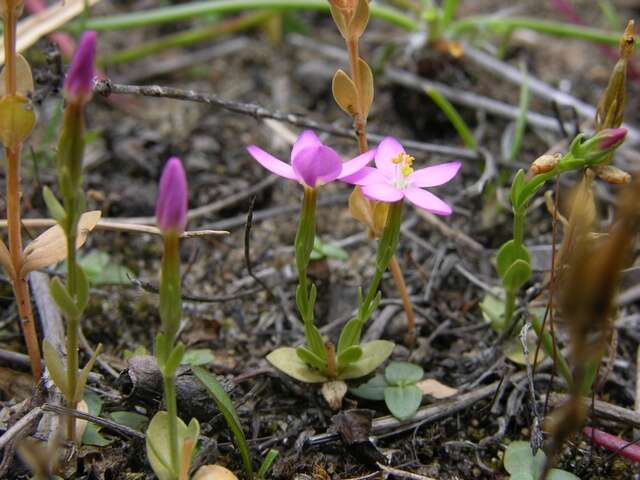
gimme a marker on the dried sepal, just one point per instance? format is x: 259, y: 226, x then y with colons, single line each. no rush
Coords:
x: 628, y: 41
x: 344, y: 93
x: 17, y: 120
x: 5, y: 260
x: 24, y: 77
x: 360, y: 209
x: 366, y: 86
x: 50, y: 247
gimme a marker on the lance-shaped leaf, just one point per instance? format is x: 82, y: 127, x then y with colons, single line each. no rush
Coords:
x: 56, y: 210
x: 63, y: 299
x: 360, y: 19
x: 287, y: 360
x: 339, y: 19
x: 5, y: 260
x: 84, y: 374
x: 24, y: 78
x: 56, y: 368
x: 50, y: 247
x: 345, y: 93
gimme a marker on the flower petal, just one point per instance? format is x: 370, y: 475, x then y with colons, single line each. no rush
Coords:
x: 427, y: 201
x: 355, y: 165
x: 366, y: 176
x: 388, y: 149
x: 271, y: 163
x: 383, y: 192
x: 435, y: 175
x: 306, y: 139
x: 317, y: 165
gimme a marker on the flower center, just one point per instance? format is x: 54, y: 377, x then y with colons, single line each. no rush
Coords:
x: 404, y: 168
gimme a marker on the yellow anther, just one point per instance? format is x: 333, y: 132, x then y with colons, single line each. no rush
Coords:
x: 405, y: 161
x: 406, y: 170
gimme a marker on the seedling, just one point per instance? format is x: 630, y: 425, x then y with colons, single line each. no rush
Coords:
x: 522, y: 464
x: 397, y: 387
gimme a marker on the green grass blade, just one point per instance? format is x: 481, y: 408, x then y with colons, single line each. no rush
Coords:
x: 266, y: 463
x: 521, y: 121
x: 230, y: 415
x: 454, y: 117
x: 449, y: 9
x: 175, y: 13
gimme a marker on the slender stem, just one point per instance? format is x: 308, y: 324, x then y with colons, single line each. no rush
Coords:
x: 72, y: 373
x: 360, y: 122
x: 406, y: 302
x: 518, y: 226
x: 20, y: 286
x: 305, y: 236
x: 509, y: 307
x: 172, y: 411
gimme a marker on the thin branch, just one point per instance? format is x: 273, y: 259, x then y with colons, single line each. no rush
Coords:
x: 106, y: 88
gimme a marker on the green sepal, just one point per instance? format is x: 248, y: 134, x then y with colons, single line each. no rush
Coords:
x: 56, y: 368
x: 311, y: 358
x: 55, y: 208
x: 62, y: 298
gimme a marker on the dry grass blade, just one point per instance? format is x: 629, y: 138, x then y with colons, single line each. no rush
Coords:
x: 50, y: 246
x: 36, y: 26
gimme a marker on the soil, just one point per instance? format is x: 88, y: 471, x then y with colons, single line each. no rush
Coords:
x: 132, y: 138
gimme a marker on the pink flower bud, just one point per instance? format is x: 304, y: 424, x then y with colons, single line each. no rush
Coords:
x: 171, y: 206
x: 79, y: 82
x: 611, y: 137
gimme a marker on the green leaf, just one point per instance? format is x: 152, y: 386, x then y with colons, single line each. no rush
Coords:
x: 374, y: 354
x: 101, y: 269
x: 493, y: 309
x: 158, y: 445
x: 311, y: 358
x: 349, y: 355
x: 198, y: 356
x: 56, y: 368
x: 403, y: 373
x: 268, y: 460
x: 92, y: 435
x: 372, y: 390
x: 516, y: 188
x: 517, y: 275
x: 403, y: 402
x: 315, y: 340
x: 132, y: 420
x: 520, y: 462
x: 55, y: 208
x: 230, y: 415
x: 350, y: 335
x: 286, y: 359
x: 84, y: 374
x: 174, y: 360
x: 62, y: 298
x: 508, y: 254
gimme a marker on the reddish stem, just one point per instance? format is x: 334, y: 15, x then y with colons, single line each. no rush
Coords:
x: 613, y: 443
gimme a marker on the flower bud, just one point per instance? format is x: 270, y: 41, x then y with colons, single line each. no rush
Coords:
x: 78, y: 85
x: 599, y: 148
x: 545, y: 163
x: 171, y: 206
x: 613, y: 175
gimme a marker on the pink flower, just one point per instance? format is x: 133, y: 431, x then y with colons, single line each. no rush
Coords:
x: 312, y: 163
x: 79, y: 82
x: 395, y: 179
x: 172, y: 203
x: 611, y: 137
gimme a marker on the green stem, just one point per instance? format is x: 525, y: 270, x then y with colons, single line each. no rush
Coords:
x: 386, y: 248
x: 186, y: 11
x: 305, y: 237
x: 172, y: 412
x: 557, y: 29
x: 170, y: 291
x: 509, y: 307
x: 72, y: 373
x: 518, y: 226
x: 552, y: 349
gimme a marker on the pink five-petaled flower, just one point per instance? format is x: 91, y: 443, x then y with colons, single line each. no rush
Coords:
x: 171, y: 206
x: 312, y: 163
x: 79, y: 82
x: 395, y: 179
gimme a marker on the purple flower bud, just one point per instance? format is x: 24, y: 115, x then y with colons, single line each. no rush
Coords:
x: 171, y: 206
x: 611, y: 137
x: 79, y: 82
